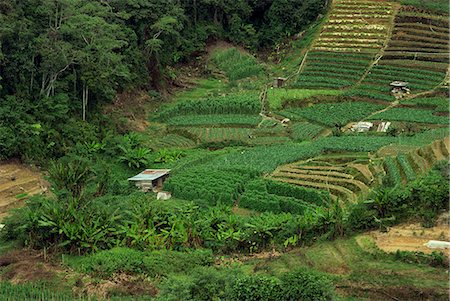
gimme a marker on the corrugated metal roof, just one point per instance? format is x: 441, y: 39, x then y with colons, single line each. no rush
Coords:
x: 150, y: 175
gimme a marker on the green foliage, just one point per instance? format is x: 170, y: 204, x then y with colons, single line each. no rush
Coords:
x: 243, y: 103
x: 440, y: 6
x: 72, y: 175
x: 167, y: 156
x: 411, y: 115
x: 129, y: 261
x: 393, y: 171
x: 435, y: 259
x: 224, y: 120
x: 278, y: 97
x: 256, y: 288
x: 406, y: 167
x: 33, y: 292
x: 236, y: 64
x: 135, y: 158
x: 333, y: 114
x: 205, y: 184
x: 308, y: 285
x: 439, y: 104
x: 202, y: 284
x: 304, y: 131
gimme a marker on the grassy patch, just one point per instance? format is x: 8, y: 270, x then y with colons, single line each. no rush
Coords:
x: 237, y: 64
x: 277, y: 97
x: 333, y: 113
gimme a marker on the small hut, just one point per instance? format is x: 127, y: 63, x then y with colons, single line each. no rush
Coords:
x: 150, y: 179
x: 400, y: 89
x: 278, y: 82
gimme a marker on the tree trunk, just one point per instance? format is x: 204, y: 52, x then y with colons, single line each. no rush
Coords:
x: 85, y: 100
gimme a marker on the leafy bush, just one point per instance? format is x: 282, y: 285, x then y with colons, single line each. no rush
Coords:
x: 256, y: 288
x: 237, y: 64
x: 306, y: 285
x: 242, y: 103
x: 70, y: 174
x: 202, y: 284
x: 125, y: 260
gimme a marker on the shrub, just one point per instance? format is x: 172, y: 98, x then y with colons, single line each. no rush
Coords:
x: 202, y: 284
x: 306, y: 285
x: 130, y: 261
x: 256, y: 288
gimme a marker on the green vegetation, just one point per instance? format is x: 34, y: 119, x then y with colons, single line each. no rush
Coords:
x: 236, y: 64
x: 224, y: 120
x: 410, y: 115
x: 333, y: 114
x: 278, y: 97
x: 304, y: 131
x: 440, y: 6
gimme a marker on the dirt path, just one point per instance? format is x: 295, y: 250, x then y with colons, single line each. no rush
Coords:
x: 412, y: 237
x: 17, y: 182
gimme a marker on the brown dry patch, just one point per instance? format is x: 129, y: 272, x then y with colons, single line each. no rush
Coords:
x: 119, y: 284
x: 412, y: 237
x: 132, y: 105
x: 17, y: 182
x: 373, y: 292
x: 26, y: 266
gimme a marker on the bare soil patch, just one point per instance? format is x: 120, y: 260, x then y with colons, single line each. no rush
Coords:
x: 17, y: 183
x: 412, y: 237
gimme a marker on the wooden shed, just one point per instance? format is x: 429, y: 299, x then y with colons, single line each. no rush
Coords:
x: 278, y: 82
x: 150, y: 179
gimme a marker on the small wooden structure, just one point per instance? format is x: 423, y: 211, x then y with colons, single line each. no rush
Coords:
x: 278, y: 82
x: 150, y: 179
x: 400, y: 89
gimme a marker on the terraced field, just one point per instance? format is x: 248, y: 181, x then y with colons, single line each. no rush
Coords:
x: 349, y: 41
x: 418, y: 53
x: 345, y: 176
x: 16, y: 184
x: 404, y: 167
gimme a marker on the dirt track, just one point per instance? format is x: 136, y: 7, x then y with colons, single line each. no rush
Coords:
x: 17, y: 182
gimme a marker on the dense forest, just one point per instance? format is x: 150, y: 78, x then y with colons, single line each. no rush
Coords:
x: 59, y: 59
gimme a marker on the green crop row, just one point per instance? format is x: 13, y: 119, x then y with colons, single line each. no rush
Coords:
x: 212, y: 186
x: 369, y: 94
x: 334, y: 73
x: 402, y: 71
x: 268, y: 195
x: 312, y: 84
x: 245, y: 103
x: 31, y: 292
x: 220, y: 134
x: 236, y: 64
x: 440, y: 104
x: 411, y: 115
x: 318, y: 66
x: 192, y: 120
x: 406, y: 166
x: 323, y: 79
x: 262, y: 201
x: 260, y: 140
x: 420, y: 66
x: 339, y: 60
x: 304, y: 131
x: 393, y: 171
x: 174, y: 140
x: 332, y: 114
x: 277, y: 97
